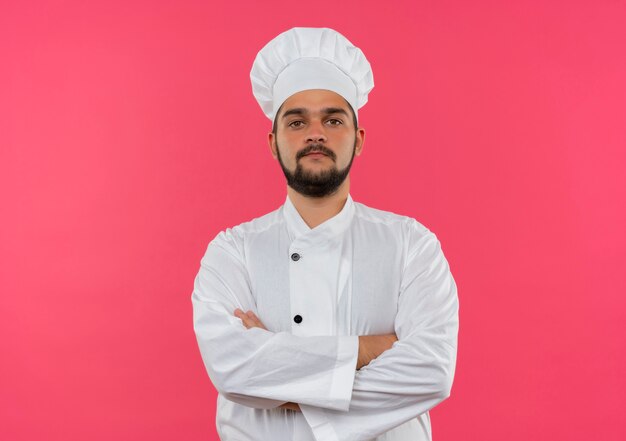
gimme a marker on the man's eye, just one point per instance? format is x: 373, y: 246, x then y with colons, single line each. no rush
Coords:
x: 296, y: 124
x: 335, y: 122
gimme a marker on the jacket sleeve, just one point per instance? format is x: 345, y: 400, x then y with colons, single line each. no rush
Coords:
x: 255, y: 367
x: 417, y: 372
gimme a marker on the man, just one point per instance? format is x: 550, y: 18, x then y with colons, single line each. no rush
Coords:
x: 324, y: 319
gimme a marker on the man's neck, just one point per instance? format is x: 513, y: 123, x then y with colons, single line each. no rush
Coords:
x: 315, y: 211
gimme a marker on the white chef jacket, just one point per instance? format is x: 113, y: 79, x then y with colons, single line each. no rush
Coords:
x: 362, y: 272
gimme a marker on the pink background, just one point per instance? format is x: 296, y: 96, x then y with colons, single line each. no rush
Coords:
x: 129, y: 137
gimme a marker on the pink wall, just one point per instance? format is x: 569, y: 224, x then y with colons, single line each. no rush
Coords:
x: 129, y: 137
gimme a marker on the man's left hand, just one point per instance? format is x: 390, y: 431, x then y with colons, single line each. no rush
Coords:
x: 249, y: 319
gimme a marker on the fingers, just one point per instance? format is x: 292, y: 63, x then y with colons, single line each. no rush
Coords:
x: 247, y: 322
x: 291, y: 406
x: 249, y: 319
x: 257, y: 322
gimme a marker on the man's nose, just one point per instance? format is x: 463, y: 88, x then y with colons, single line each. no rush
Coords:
x: 316, y: 132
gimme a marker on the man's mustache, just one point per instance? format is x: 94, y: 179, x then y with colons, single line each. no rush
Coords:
x: 314, y: 148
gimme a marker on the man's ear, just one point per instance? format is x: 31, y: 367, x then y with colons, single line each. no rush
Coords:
x: 360, y: 139
x: 271, y: 141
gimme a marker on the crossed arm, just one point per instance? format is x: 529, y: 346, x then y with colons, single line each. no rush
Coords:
x: 370, y: 346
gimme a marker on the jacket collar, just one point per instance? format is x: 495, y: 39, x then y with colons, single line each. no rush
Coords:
x: 300, y: 231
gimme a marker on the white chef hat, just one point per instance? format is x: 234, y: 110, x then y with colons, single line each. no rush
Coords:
x: 310, y: 58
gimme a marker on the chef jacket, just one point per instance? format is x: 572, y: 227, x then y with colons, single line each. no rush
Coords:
x: 362, y: 272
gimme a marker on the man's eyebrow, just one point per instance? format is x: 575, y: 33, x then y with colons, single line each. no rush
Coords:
x: 331, y: 110
x: 295, y: 111
x: 325, y: 110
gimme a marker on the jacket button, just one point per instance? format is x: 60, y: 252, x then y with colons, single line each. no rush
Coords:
x: 295, y: 257
x: 298, y: 319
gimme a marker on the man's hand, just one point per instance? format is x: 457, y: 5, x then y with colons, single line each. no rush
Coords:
x: 371, y: 346
x: 291, y: 406
x: 249, y: 319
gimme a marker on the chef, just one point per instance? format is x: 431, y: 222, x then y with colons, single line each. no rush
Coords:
x: 324, y: 319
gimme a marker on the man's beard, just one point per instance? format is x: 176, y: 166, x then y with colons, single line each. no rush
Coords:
x: 316, y: 185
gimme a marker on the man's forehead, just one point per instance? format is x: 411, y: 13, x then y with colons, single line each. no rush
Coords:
x: 315, y: 101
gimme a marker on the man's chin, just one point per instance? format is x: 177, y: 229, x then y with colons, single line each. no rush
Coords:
x: 319, y: 177
x: 316, y: 164
x: 316, y: 169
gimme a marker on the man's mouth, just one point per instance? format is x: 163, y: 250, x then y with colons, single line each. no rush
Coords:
x: 316, y: 152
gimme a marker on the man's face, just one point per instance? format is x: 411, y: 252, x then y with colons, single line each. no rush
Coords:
x: 315, y: 141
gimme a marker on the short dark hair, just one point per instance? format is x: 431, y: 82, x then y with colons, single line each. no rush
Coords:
x: 354, y: 120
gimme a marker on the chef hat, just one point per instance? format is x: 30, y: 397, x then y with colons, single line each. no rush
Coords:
x: 309, y: 58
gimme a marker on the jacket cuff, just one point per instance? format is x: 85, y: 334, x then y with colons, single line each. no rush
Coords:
x: 344, y: 372
x: 340, y: 390
x: 319, y: 423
